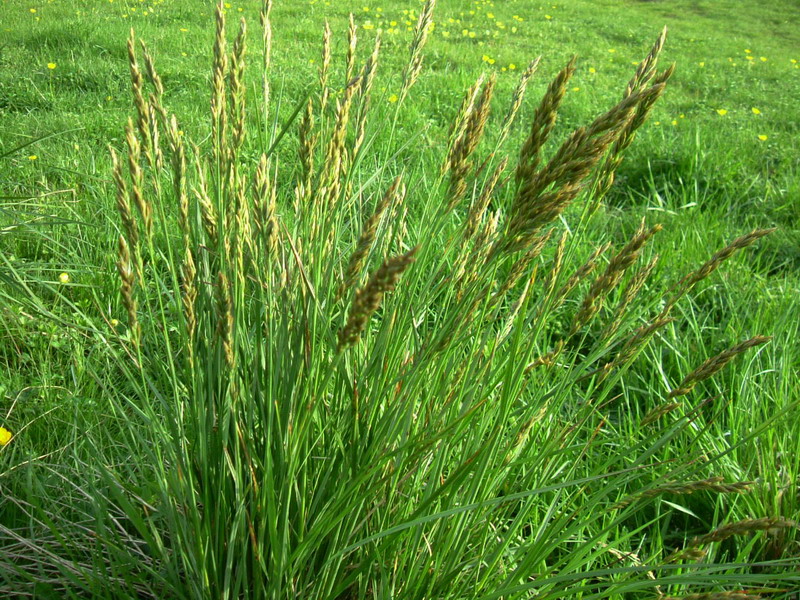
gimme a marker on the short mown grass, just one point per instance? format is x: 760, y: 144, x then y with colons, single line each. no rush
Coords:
x: 251, y: 352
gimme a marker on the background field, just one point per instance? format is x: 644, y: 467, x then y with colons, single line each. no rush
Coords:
x: 719, y: 156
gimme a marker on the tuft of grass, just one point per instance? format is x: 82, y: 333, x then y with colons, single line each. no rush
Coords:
x: 483, y: 418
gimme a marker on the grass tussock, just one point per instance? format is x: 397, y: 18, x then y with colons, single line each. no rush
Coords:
x: 340, y: 380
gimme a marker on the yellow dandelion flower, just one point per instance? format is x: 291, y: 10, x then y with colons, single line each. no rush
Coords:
x: 576, y: 89
x: 114, y: 323
x: 674, y: 122
x: 512, y: 66
x: 51, y: 66
x: 33, y: 10
x: 393, y: 98
x: 32, y: 157
x: 612, y: 50
x: 548, y: 17
x: 472, y: 34
x: 64, y: 278
x: 592, y: 70
x: 763, y: 137
x: 184, y: 30
x: 701, y: 64
x: 5, y: 436
x: 755, y: 111
x: 763, y: 59
x: 722, y: 112
x: 490, y: 15
x: 747, y: 51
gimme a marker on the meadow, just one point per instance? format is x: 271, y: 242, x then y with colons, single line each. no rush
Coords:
x: 453, y: 299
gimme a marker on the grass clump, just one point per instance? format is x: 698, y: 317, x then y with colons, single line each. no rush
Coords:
x: 347, y: 380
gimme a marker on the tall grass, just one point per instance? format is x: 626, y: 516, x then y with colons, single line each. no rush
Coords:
x: 344, y: 380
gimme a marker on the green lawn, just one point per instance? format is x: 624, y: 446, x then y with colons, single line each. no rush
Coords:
x: 338, y: 391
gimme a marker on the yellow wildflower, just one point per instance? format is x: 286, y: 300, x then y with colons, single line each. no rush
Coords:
x: 722, y: 112
x: 64, y: 278
x: 763, y: 137
x: 5, y: 436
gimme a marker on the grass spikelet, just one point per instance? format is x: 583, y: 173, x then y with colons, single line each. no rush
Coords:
x: 352, y: 42
x: 516, y: 99
x: 367, y: 237
x: 521, y: 265
x: 308, y: 143
x: 218, y: 75
x: 208, y: 212
x: 237, y: 92
x: 265, y: 209
x: 460, y: 123
x: 367, y: 79
x: 142, y: 110
x: 368, y: 299
x: 616, y: 268
x: 647, y: 68
x: 137, y: 179
x: 335, y: 156
x: 466, y: 144
x: 414, y: 65
x: 635, y: 342
x: 605, y: 176
x: 628, y: 296
x: 128, y: 279
x: 743, y: 527
x: 659, y: 411
x: 157, y: 98
x: 715, y: 364
x: 324, y: 68
x: 681, y: 288
x: 129, y: 225
x: 266, y: 38
x: 544, y: 120
x: 712, y: 484
x: 533, y: 206
x: 478, y: 208
x: 225, y: 318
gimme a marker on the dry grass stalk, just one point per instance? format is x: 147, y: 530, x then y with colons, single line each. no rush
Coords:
x: 218, y: 98
x: 188, y: 299
x: 324, y: 69
x: 460, y: 123
x: 712, y: 484
x: 365, y: 241
x: 237, y: 93
x: 137, y: 179
x: 659, y: 411
x: 606, y: 282
x: 128, y: 279
x: 225, y: 318
x: 742, y: 528
x: 368, y: 299
x: 689, y: 281
x: 155, y: 109
x: 715, y: 364
x: 543, y: 122
x: 466, y: 144
x: 414, y: 65
x: 516, y: 99
x: 628, y: 296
